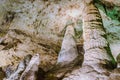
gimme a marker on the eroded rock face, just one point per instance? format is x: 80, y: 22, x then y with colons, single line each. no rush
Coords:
x: 36, y: 27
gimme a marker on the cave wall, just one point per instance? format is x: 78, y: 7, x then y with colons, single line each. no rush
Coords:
x: 38, y: 26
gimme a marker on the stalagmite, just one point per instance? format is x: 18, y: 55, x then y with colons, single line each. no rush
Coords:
x: 21, y: 67
x: 97, y: 50
x: 68, y: 51
x: 30, y: 71
x: 68, y: 56
x: 98, y: 59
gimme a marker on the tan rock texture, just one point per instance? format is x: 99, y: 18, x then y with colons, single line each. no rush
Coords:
x: 38, y: 26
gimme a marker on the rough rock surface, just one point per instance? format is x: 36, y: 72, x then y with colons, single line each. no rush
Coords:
x: 38, y: 26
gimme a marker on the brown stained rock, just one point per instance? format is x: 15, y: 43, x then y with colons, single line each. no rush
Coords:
x: 115, y: 74
x: 2, y: 74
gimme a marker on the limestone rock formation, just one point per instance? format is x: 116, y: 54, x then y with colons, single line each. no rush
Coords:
x: 38, y: 26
